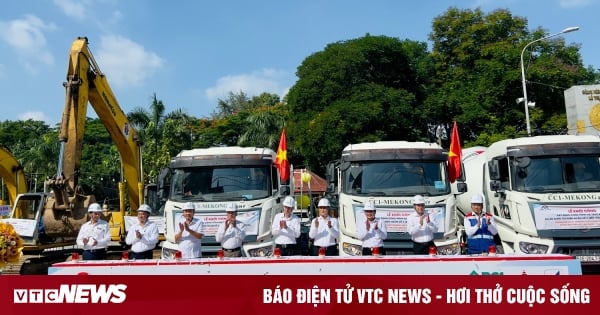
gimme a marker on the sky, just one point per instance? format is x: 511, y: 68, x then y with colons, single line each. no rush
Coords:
x: 193, y: 53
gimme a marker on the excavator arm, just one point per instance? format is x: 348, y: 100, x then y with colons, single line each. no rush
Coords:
x: 12, y: 174
x: 86, y: 83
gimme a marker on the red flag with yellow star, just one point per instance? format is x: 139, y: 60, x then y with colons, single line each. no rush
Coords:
x: 281, y: 160
x: 454, y: 156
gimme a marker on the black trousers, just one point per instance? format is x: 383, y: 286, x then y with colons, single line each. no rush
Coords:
x: 422, y: 248
x: 329, y: 251
x: 287, y: 249
x: 94, y: 254
x: 141, y: 255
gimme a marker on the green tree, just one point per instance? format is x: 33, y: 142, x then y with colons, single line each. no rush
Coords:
x: 476, y: 57
x: 364, y: 89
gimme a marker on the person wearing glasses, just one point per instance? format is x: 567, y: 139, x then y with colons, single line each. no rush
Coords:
x: 372, y: 231
x: 324, y: 230
x: 421, y: 227
x: 94, y: 235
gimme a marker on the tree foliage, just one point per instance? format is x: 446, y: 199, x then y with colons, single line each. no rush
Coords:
x: 478, y: 75
x: 364, y: 89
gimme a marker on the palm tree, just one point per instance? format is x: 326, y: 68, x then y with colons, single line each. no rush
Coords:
x: 163, y: 135
x: 263, y: 129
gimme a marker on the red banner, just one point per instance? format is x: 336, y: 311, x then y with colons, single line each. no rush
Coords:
x: 239, y: 294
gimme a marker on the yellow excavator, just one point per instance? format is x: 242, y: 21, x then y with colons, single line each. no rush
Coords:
x: 13, y: 177
x: 50, y: 221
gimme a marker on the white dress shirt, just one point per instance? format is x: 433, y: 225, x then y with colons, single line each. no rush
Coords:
x: 324, y: 236
x: 149, y: 238
x: 98, y: 231
x: 420, y: 233
x: 231, y: 238
x: 372, y: 237
x: 290, y: 233
x: 190, y: 246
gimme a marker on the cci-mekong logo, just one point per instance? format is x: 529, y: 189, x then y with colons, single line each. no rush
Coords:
x: 73, y: 293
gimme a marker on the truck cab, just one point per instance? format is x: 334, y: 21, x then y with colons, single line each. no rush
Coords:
x: 213, y: 177
x: 544, y: 193
x: 391, y: 173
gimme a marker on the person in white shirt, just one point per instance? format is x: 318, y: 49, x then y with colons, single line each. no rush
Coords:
x: 94, y: 235
x: 324, y: 230
x: 231, y: 233
x: 421, y: 227
x: 286, y: 228
x: 142, y: 236
x: 371, y: 231
x: 190, y: 233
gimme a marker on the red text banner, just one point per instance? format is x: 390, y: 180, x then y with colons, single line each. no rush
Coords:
x: 298, y: 294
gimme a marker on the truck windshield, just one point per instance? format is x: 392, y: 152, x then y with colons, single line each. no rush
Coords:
x: 556, y: 174
x: 406, y: 178
x: 221, y: 183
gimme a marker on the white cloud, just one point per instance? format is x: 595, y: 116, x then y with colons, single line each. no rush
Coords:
x: 35, y: 116
x: 26, y: 37
x: 73, y: 8
x: 125, y: 62
x: 574, y: 3
x: 255, y: 83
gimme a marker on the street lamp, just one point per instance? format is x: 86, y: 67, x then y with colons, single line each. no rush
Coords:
x: 526, y: 104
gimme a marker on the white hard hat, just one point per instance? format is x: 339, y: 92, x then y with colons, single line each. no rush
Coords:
x: 188, y: 206
x: 288, y: 202
x: 419, y: 200
x: 369, y: 205
x: 94, y: 207
x: 145, y: 208
x: 477, y: 198
x: 324, y: 203
x: 231, y: 207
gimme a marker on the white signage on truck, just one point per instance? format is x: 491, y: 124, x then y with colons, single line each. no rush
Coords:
x: 566, y: 217
x: 396, y: 219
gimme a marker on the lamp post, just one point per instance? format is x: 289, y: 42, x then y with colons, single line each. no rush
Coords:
x: 525, y: 102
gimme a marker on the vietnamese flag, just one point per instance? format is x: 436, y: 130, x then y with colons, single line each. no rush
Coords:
x: 281, y: 160
x: 454, y: 156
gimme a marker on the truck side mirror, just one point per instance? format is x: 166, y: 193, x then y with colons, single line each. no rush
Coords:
x: 495, y: 185
x: 494, y: 170
x: 284, y: 190
x: 461, y: 187
x: 330, y: 172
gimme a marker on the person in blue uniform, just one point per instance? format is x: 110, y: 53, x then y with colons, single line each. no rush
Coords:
x: 480, y: 227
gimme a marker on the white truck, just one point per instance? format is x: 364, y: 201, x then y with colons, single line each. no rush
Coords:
x: 213, y: 177
x: 391, y: 173
x: 544, y: 193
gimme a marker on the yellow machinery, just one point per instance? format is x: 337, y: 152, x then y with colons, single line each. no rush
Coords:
x: 50, y: 221
x: 12, y: 175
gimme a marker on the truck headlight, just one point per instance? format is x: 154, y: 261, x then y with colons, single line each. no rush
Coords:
x: 532, y: 248
x: 352, y: 249
x: 452, y: 249
x: 266, y: 251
